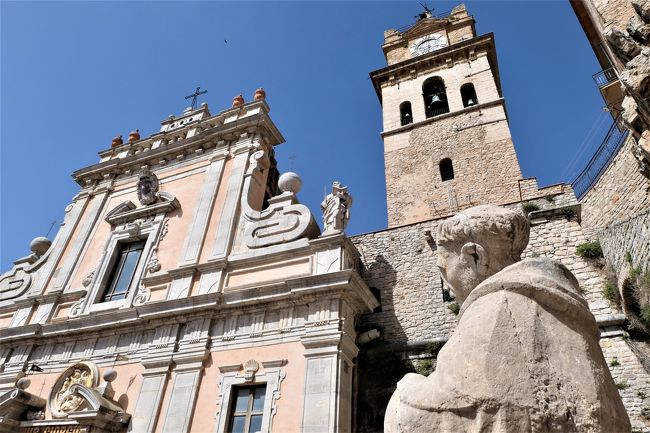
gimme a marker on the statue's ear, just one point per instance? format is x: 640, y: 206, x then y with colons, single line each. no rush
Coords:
x: 476, y: 255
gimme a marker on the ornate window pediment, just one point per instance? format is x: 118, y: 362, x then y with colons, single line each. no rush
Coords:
x: 128, y: 212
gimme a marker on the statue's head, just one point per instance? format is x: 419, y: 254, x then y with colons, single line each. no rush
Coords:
x: 477, y: 243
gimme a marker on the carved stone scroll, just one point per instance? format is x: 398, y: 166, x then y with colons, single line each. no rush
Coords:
x: 283, y: 221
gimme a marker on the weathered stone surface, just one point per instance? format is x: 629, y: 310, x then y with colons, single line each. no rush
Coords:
x: 506, y: 367
x: 620, y: 193
x: 623, y: 46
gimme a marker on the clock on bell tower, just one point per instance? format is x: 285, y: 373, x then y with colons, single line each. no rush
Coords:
x: 447, y: 144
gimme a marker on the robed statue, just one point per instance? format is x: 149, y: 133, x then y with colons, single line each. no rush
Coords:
x: 525, y: 355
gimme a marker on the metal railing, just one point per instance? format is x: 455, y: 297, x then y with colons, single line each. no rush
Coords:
x: 605, y: 77
x: 439, y: 16
x: 600, y: 161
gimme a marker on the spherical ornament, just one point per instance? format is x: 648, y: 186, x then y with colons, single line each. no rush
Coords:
x: 290, y: 182
x: 40, y: 245
x: 23, y: 383
x: 110, y: 375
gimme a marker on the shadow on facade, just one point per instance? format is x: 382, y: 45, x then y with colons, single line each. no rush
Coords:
x: 380, y: 365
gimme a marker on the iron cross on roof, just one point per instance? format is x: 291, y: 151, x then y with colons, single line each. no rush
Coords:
x: 195, y: 95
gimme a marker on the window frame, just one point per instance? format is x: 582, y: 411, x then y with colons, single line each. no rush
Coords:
x: 233, y: 376
x: 250, y: 412
x: 143, y: 229
x: 118, y: 269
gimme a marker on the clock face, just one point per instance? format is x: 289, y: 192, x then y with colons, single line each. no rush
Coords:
x: 428, y: 44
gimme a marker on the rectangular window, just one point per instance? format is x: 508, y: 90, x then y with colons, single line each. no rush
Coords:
x: 247, y: 409
x: 121, y: 277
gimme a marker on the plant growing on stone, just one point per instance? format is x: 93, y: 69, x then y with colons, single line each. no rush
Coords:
x: 590, y: 250
x: 454, y: 307
x: 628, y: 257
x: 645, y: 314
x: 569, y: 214
x: 434, y: 347
x: 642, y: 395
x: 550, y: 198
x: 614, y: 362
x: 622, y: 385
x: 424, y: 367
x: 610, y: 291
x: 529, y: 207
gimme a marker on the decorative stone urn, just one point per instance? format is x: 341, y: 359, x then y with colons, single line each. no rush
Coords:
x: 134, y: 136
x: 238, y: 101
x: 116, y: 141
x: 260, y: 94
x: 290, y: 182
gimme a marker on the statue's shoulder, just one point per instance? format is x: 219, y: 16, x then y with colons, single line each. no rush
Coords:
x: 538, y: 278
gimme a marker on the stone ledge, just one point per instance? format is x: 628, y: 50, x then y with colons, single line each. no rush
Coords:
x: 541, y: 216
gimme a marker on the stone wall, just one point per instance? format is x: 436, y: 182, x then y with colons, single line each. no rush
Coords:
x: 631, y: 379
x: 630, y: 236
x: 620, y: 193
x: 400, y: 264
x: 485, y: 166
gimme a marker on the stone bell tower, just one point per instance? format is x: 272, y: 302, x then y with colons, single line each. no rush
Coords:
x: 447, y: 143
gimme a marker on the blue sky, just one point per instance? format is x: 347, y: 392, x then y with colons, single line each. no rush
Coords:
x: 75, y: 74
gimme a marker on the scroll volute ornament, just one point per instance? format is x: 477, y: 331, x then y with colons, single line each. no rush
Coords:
x: 62, y: 401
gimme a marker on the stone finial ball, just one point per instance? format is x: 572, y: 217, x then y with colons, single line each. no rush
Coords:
x: 23, y: 383
x: 290, y: 182
x: 110, y: 375
x: 40, y: 245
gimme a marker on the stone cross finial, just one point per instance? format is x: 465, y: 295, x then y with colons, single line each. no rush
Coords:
x: 336, y: 209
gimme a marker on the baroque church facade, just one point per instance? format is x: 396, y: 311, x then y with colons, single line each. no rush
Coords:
x: 188, y: 290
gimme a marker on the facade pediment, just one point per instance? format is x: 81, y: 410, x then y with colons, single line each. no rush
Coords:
x: 127, y: 211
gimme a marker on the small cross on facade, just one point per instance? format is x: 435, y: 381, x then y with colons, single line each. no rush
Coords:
x: 195, y: 95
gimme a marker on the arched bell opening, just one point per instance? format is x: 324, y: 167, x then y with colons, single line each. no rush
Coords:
x: 435, y: 97
x: 405, y: 113
x: 468, y: 94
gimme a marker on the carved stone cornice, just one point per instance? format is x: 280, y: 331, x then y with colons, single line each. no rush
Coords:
x: 221, y: 128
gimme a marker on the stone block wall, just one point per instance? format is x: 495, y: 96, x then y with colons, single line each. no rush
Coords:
x: 620, y: 193
x: 631, y: 378
x: 485, y: 166
x: 630, y: 236
x: 400, y: 263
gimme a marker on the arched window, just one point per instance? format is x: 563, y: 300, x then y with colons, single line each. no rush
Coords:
x: 405, y: 114
x: 435, y: 97
x: 468, y: 94
x: 446, y: 169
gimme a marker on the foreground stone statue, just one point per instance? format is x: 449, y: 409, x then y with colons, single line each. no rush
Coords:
x: 525, y: 356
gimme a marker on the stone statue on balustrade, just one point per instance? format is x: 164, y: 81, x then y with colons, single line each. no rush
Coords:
x: 525, y: 355
x: 336, y: 209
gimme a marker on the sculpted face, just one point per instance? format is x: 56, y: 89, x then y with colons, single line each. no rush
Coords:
x: 454, y: 271
x: 464, y: 267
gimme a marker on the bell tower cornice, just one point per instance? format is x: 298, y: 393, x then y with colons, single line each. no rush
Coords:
x: 195, y: 134
x: 440, y: 59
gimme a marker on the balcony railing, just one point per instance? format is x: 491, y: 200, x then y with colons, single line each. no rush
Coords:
x: 600, y: 161
x: 605, y: 77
